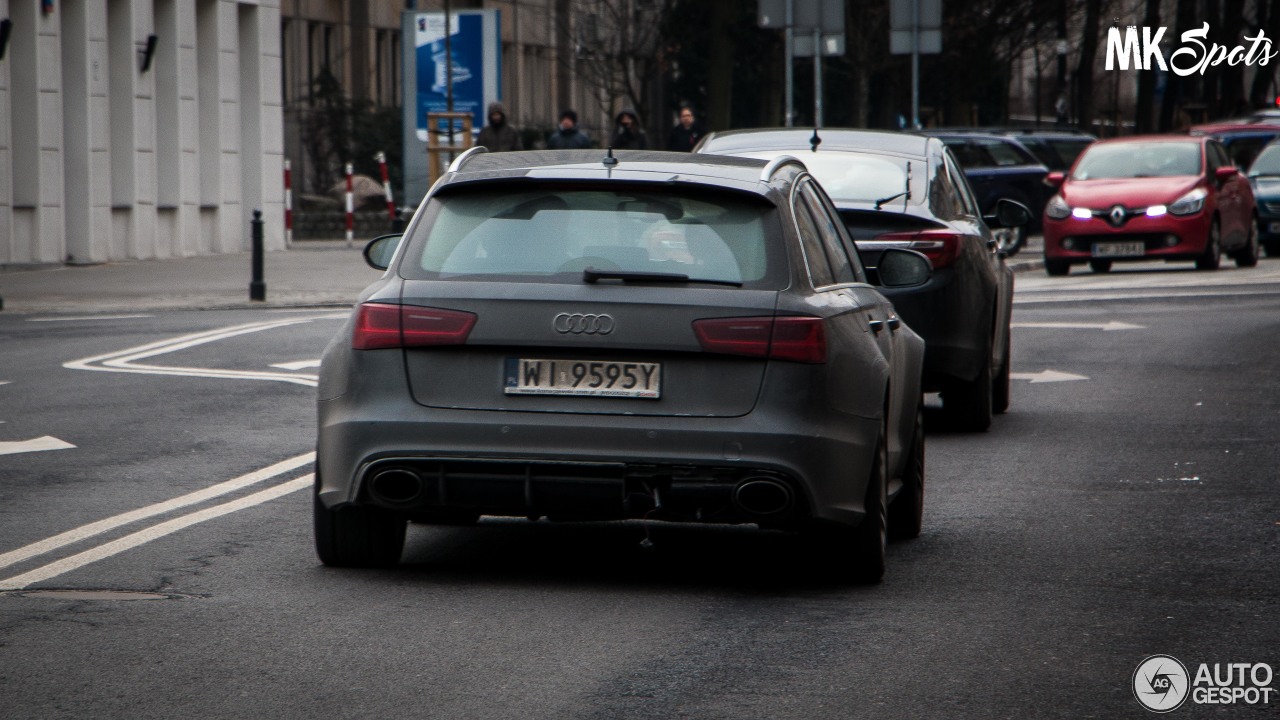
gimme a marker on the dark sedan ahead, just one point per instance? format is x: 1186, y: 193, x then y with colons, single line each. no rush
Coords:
x: 898, y: 190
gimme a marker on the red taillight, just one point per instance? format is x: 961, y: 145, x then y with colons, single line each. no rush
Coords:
x: 942, y: 247
x: 802, y: 339
x: 380, y: 325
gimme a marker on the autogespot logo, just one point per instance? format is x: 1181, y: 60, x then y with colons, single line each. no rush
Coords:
x: 1160, y: 683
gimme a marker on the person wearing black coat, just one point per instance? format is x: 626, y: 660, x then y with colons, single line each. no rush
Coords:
x: 498, y: 135
x: 686, y: 134
x: 568, y: 137
x: 629, y: 135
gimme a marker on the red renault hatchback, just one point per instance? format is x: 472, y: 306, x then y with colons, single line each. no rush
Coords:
x: 1155, y: 197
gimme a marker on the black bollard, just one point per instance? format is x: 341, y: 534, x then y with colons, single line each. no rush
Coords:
x: 397, y: 225
x: 257, y: 288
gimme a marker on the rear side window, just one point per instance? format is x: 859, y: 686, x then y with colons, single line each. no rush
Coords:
x: 1006, y: 154
x: 554, y: 233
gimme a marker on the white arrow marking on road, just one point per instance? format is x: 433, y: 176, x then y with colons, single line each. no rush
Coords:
x: 5, y: 382
x: 1105, y: 327
x: 300, y: 365
x: 1045, y: 376
x: 48, y: 442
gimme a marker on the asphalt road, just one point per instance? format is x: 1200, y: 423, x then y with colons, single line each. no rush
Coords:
x: 1127, y: 505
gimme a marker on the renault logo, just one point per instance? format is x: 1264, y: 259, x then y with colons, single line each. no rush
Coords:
x: 1118, y: 215
x: 580, y: 324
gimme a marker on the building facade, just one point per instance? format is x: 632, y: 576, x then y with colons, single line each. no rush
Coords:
x: 137, y: 129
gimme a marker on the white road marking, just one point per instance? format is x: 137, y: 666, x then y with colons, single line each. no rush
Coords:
x: 1047, y: 376
x: 81, y: 318
x: 155, y: 532
x: 96, y: 528
x: 5, y: 382
x: 1105, y: 327
x: 300, y: 365
x: 125, y: 361
x: 40, y: 444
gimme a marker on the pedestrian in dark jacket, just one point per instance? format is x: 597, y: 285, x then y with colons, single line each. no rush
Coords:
x: 629, y: 135
x: 498, y: 135
x: 685, y: 134
x: 568, y: 137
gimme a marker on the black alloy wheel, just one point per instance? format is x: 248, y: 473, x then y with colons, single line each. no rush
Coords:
x: 1247, y: 256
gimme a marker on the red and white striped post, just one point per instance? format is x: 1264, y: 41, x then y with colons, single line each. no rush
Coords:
x: 288, y: 204
x: 386, y: 185
x: 351, y: 209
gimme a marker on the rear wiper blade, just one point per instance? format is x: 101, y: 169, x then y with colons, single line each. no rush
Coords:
x: 591, y: 275
x: 891, y: 198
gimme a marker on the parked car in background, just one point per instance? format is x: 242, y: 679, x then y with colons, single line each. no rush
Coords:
x: 1170, y: 197
x: 577, y: 336
x: 998, y: 167
x: 1243, y: 142
x: 898, y: 190
x: 1057, y: 149
x: 1264, y: 178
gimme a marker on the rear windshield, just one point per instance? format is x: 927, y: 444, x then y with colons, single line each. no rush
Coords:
x: 1268, y: 162
x: 553, y: 233
x: 854, y: 176
x: 1138, y: 159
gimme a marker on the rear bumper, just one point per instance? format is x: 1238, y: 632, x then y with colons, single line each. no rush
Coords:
x: 589, y: 466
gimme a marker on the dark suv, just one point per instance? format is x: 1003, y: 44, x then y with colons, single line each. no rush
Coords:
x: 999, y: 167
x: 572, y: 335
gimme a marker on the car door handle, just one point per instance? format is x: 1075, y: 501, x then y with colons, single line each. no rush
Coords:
x: 876, y: 326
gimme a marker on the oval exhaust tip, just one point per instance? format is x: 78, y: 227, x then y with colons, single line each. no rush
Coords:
x: 763, y: 496
x: 396, y: 486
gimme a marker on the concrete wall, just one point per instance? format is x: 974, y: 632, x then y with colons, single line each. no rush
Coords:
x: 102, y: 161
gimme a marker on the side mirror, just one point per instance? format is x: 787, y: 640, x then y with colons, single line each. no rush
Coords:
x: 1009, y: 213
x: 1225, y: 173
x: 1055, y: 178
x: 901, y: 268
x: 380, y: 250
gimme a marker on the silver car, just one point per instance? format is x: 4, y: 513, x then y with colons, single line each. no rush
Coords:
x: 576, y: 336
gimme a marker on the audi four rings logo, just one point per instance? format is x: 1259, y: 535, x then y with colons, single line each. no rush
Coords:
x: 581, y: 324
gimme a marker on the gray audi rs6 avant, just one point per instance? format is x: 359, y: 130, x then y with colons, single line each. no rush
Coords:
x: 575, y: 335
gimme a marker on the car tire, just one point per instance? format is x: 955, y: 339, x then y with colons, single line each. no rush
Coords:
x: 1212, y: 257
x: 1001, y: 385
x: 1247, y: 256
x: 1100, y: 266
x: 355, y: 536
x: 1010, y: 240
x: 906, y: 512
x: 1057, y: 268
x: 1272, y: 248
x: 968, y: 406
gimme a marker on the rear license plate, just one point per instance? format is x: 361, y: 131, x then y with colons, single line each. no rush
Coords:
x: 1273, y: 227
x: 585, y: 378
x: 1119, y: 249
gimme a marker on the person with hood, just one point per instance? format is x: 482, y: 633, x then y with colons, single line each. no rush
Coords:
x: 498, y: 135
x: 629, y: 135
x: 568, y: 137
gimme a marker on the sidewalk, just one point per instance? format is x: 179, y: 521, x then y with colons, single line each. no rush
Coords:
x: 314, y: 273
